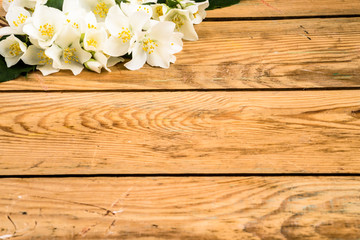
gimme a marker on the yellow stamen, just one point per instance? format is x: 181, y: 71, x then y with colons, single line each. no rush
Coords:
x: 69, y: 55
x: 140, y: 8
x: 43, y: 58
x: 47, y: 30
x: 178, y: 20
x: 159, y: 11
x: 74, y: 24
x: 15, y: 49
x: 90, y: 26
x: 149, y: 45
x: 92, y: 42
x: 21, y: 19
x: 125, y: 35
x: 101, y: 9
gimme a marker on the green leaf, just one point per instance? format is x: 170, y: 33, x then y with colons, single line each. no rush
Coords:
x: 220, y: 3
x: 118, y: 2
x: 15, y: 71
x: 55, y: 4
x: 172, y: 3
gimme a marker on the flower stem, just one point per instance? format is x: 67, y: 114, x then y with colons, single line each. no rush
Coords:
x: 3, y: 19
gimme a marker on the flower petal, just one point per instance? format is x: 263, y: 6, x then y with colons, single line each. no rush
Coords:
x: 159, y: 58
x: 162, y: 31
x: 116, y: 47
x: 112, y: 61
x: 55, y: 53
x: 138, y: 59
x: 67, y: 37
x: 47, y: 69
x: 16, y: 17
x: 82, y: 55
x: 32, y: 55
x: 115, y: 20
x: 138, y: 20
x: 8, y: 31
x: 75, y: 68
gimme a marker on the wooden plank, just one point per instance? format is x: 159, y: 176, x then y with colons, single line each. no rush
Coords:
x: 271, y: 8
x: 2, y: 11
x: 244, y: 54
x: 181, y: 208
x: 285, y: 8
x: 180, y: 132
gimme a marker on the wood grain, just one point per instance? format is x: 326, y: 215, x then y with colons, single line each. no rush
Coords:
x: 2, y: 11
x: 271, y: 8
x: 243, y: 54
x: 180, y: 132
x: 286, y: 8
x: 181, y: 208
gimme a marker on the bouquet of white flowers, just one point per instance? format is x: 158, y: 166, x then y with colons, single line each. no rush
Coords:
x: 52, y: 35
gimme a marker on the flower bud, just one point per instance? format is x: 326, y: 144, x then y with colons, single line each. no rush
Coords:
x: 93, y: 65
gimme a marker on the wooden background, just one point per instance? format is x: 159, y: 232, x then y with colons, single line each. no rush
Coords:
x: 252, y: 134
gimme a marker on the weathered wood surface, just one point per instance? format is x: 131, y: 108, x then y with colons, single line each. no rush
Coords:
x: 180, y: 132
x: 271, y: 8
x: 169, y: 132
x: 181, y: 208
x: 286, y: 8
x: 243, y: 54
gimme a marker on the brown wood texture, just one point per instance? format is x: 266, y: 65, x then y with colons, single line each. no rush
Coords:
x: 180, y: 132
x: 276, y: 129
x: 181, y: 208
x: 286, y: 8
x: 307, y: 53
x: 271, y: 8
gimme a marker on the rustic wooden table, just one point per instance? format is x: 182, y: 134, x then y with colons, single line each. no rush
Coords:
x: 254, y: 133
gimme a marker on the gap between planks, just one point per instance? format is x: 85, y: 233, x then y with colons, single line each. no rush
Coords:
x: 278, y: 18
x: 183, y: 175
x: 184, y: 90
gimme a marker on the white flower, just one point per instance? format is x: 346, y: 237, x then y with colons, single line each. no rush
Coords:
x: 77, y: 19
x: 95, y: 34
x: 123, y: 30
x: 93, y: 65
x: 159, y: 10
x: 95, y: 39
x: 183, y: 23
x: 91, y: 22
x: 197, y: 11
x: 129, y: 9
x: 12, y: 49
x: 67, y: 53
x: 36, y: 56
x: 107, y: 61
x: 99, y: 7
x: 156, y: 47
x: 29, y: 4
x: 102, y: 61
x: 6, y: 4
x: 45, y: 26
x: 16, y: 17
